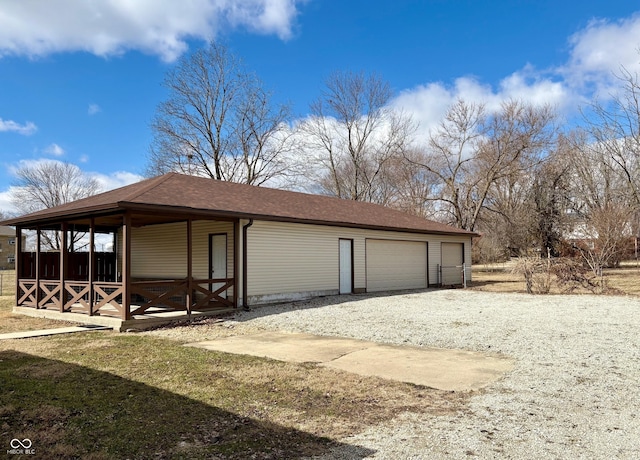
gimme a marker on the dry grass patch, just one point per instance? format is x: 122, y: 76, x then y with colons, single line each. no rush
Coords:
x: 623, y: 280
x: 11, y: 322
x: 626, y: 278
x: 500, y: 280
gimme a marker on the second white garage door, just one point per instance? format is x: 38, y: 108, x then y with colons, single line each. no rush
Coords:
x: 393, y: 264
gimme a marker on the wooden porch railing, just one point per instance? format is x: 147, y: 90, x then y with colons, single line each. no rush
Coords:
x: 106, y: 298
x: 27, y: 293
x: 212, y: 299
x: 173, y: 294
x: 78, y: 297
x: 159, y: 293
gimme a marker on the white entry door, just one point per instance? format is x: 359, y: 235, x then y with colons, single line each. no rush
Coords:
x: 218, y: 259
x: 346, y: 266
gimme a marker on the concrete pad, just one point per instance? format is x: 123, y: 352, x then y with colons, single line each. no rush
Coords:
x: 453, y: 370
x: 45, y: 332
x: 291, y: 347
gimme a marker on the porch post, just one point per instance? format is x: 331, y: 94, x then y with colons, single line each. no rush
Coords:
x: 189, y: 266
x: 126, y: 266
x: 92, y: 261
x: 63, y: 265
x: 37, y: 266
x: 18, y: 262
x: 236, y: 256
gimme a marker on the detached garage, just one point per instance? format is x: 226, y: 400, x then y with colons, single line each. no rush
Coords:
x: 184, y: 243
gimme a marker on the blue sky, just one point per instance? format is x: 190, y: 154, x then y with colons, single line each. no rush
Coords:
x: 80, y: 81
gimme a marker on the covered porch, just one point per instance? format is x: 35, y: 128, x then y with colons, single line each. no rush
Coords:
x: 155, y: 267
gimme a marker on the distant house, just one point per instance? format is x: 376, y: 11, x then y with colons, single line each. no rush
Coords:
x: 7, y: 248
x: 188, y: 244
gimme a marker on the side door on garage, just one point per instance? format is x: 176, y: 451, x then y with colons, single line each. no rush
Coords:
x: 452, y: 260
x: 396, y: 264
x: 345, y: 266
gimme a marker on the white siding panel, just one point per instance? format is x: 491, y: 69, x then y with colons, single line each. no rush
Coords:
x: 160, y: 251
x: 393, y: 264
x: 288, y: 258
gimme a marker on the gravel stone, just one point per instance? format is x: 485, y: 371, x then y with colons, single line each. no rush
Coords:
x: 572, y: 394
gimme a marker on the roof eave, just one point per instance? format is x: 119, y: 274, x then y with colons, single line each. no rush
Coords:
x: 122, y: 206
x: 55, y: 216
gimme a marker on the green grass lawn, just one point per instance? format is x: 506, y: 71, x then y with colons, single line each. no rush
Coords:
x: 103, y: 395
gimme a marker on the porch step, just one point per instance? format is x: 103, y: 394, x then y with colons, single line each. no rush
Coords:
x: 58, y: 330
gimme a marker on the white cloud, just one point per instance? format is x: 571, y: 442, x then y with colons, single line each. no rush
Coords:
x: 528, y: 85
x: 55, y: 150
x: 427, y: 104
x: 6, y: 206
x: 116, y: 179
x: 264, y: 17
x: 9, y: 125
x: 600, y: 50
x: 93, y: 109
x: 111, y: 27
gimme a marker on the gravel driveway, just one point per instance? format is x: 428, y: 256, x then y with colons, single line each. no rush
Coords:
x: 574, y: 392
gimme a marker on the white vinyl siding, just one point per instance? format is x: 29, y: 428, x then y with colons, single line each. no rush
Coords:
x: 393, y: 264
x: 160, y: 251
x: 289, y: 258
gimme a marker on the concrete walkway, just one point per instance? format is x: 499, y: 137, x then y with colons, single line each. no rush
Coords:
x: 58, y: 330
x: 453, y: 370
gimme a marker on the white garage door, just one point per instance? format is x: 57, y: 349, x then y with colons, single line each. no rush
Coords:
x: 452, y: 257
x: 395, y: 264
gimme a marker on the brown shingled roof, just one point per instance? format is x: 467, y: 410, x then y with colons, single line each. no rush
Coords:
x: 180, y: 193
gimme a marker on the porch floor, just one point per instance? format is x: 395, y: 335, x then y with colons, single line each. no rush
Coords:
x: 152, y: 318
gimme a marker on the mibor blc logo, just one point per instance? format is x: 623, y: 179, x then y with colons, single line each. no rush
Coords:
x: 21, y: 447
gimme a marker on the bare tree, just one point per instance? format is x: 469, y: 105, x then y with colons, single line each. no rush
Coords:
x: 481, y: 159
x: 596, y: 180
x: 409, y: 187
x: 218, y: 121
x: 355, y: 133
x: 450, y: 156
x: 551, y: 201
x: 47, y: 184
x: 614, y: 132
x: 606, y: 237
x: 528, y: 209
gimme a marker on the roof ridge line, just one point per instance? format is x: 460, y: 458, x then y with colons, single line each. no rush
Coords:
x: 153, y: 182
